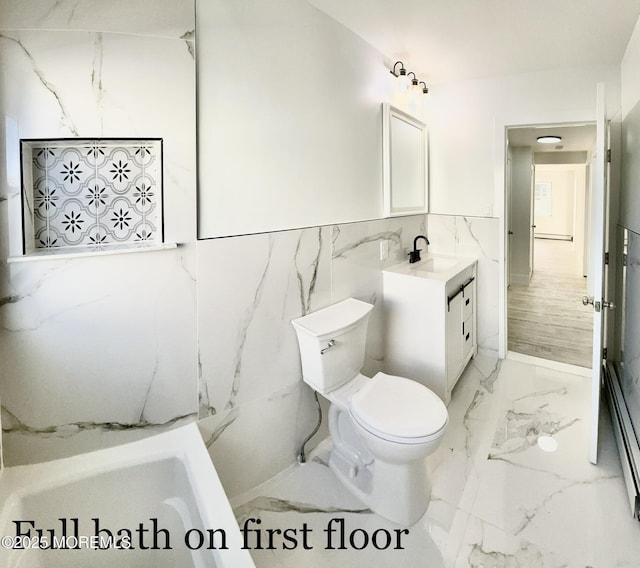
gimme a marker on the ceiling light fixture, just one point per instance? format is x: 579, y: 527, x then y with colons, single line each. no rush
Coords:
x: 549, y: 139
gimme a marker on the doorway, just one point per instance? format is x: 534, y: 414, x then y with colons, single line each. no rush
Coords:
x: 548, y: 263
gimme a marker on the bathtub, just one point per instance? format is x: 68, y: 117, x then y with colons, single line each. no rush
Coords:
x: 157, y: 502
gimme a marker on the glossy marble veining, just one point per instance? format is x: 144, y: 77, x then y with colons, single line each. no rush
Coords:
x: 98, y: 351
x: 498, y: 498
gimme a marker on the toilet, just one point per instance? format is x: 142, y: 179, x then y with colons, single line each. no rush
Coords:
x: 382, y: 428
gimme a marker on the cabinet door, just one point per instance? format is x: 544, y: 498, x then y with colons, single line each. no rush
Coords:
x: 468, y: 327
x: 454, y: 338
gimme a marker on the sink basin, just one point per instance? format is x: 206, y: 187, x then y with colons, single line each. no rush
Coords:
x: 434, y: 267
x: 437, y: 264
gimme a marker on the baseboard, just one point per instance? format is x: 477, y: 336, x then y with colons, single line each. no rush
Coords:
x: 548, y: 364
x: 553, y: 237
x: 520, y: 279
x: 627, y: 443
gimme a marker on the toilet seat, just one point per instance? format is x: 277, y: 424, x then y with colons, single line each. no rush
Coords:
x: 398, y: 410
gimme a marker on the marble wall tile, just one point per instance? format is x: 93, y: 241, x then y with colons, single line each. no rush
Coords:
x: 254, y: 441
x: 86, y: 348
x: 168, y: 18
x: 443, y: 234
x: 630, y: 377
x: 100, y: 350
x: 103, y: 350
x: 356, y: 268
x: 249, y: 290
x: 245, y: 359
x: 477, y: 237
x: 254, y: 406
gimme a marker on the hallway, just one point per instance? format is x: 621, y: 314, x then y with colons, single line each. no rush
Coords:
x: 547, y: 319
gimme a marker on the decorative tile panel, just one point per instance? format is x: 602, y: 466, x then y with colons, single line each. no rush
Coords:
x: 91, y: 193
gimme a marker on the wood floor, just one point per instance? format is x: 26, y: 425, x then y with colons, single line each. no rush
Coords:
x: 547, y: 319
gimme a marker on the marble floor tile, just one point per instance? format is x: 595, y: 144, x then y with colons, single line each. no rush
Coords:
x: 498, y: 498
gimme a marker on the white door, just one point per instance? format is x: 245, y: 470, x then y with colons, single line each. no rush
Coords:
x: 532, y: 216
x: 597, y: 248
x: 509, y: 217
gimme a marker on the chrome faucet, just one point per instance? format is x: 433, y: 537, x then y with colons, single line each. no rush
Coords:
x: 414, y: 255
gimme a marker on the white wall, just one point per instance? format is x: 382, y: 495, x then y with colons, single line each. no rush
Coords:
x: 467, y: 121
x: 560, y: 221
x: 290, y: 119
x: 629, y: 72
x: 520, y: 223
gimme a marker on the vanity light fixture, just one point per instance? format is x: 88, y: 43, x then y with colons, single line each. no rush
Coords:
x: 403, y: 75
x: 549, y: 139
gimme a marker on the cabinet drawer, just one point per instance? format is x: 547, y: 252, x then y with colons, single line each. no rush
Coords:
x: 467, y: 303
x: 467, y: 336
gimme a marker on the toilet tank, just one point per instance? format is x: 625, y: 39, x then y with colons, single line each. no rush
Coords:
x: 332, y: 343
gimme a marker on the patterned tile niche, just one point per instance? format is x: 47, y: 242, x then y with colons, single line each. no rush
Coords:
x: 96, y: 194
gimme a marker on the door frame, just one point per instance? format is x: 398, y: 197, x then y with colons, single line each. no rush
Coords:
x: 588, y: 180
x: 521, y: 120
x: 570, y: 117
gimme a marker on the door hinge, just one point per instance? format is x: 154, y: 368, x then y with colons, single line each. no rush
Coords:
x: 609, y: 155
x: 606, y: 258
x: 604, y: 353
x: 624, y: 259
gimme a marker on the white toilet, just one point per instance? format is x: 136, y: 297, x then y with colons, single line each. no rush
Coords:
x: 383, y: 428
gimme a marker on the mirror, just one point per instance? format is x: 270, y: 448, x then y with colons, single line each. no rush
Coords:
x: 404, y: 163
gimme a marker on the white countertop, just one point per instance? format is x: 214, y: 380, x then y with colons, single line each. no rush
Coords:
x: 449, y: 267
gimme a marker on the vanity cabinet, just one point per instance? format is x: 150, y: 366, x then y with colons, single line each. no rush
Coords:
x: 430, y: 322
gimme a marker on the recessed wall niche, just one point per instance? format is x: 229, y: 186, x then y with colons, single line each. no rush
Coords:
x: 83, y: 195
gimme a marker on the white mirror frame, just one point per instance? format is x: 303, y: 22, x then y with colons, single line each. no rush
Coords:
x: 404, y: 163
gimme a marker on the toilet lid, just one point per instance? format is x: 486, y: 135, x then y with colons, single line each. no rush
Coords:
x: 395, y: 407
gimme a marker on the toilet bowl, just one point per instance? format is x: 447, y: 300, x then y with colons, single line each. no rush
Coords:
x: 382, y: 428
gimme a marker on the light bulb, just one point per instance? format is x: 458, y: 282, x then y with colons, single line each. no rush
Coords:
x: 403, y: 80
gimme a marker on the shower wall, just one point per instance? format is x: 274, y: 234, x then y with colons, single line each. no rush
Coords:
x: 100, y: 350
